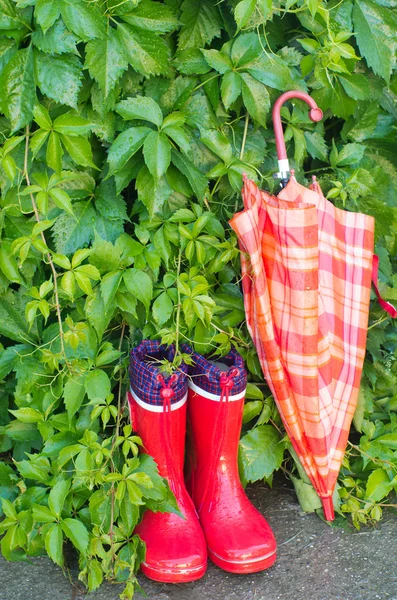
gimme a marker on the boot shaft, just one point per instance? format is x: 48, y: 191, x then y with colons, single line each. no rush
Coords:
x: 215, y: 426
x: 215, y: 409
x: 158, y: 406
x: 162, y: 432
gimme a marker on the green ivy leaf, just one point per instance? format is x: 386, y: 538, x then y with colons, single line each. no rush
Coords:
x: 27, y: 415
x: 17, y: 86
x: 162, y: 308
x: 191, y: 62
x: 141, y: 108
x: 349, y: 155
x: 8, y: 265
x: 7, y: 9
x: 125, y: 146
x: 56, y: 40
x: 47, y: 12
x: 105, y: 257
x: 61, y: 199
x: 197, y: 180
x: 42, y: 117
x: 218, y: 143
x: 218, y: 60
x: 7, y: 50
x: 97, y: 384
x: 42, y: 514
x: 108, y: 203
x: 57, y: 496
x: 106, y: 60
x: 246, y: 48
x: 95, y: 574
x: 152, y: 16
x: 12, y: 322
x: 36, y: 471
x: 58, y: 77
x: 139, y: 284
x: 230, y: 88
x: 109, y: 286
x: 378, y: 485
x: 54, y: 544
x: 375, y: 28
x: 200, y: 23
x: 79, y: 149
x: 71, y: 233
x: 256, y: 98
x: 316, y: 145
x: 157, y: 153
x: 73, y: 394
x: 83, y: 19
x: 253, y: 392
x: 361, y: 126
x: 243, y: 12
x: 252, y: 410
x: 153, y: 193
x: 308, y: 498
x: 72, y: 124
x: 260, y: 453
x: 273, y: 72
x: 77, y: 533
x: 146, y: 52
x: 356, y: 86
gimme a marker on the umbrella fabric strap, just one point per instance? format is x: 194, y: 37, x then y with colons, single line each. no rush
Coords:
x: 389, y: 308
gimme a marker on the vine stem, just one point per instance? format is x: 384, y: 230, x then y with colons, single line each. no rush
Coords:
x: 200, y: 85
x: 178, y: 310
x: 48, y: 255
x: 375, y: 460
x: 377, y: 503
x: 119, y: 407
x: 116, y: 435
x: 247, y: 118
x: 234, y: 337
x: 378, y: 322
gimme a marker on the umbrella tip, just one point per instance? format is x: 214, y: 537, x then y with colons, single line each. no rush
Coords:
x: 245, y: 176
x: 292, y: 171
x: 328, y: 508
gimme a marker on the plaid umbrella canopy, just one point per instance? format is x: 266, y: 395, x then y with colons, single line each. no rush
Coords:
x: 307, y: 269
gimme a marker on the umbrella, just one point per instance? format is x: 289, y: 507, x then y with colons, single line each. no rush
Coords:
x: 307, y: 269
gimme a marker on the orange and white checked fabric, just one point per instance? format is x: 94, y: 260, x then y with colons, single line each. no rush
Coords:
x: 307, y: 269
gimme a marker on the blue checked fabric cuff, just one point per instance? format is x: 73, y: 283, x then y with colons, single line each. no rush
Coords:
x: 144, y: 371
x: 206, y: 375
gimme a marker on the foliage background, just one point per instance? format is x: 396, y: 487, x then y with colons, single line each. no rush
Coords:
x: 126, y: 127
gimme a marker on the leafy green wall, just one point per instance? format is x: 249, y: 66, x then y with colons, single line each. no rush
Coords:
x: 126, y: 127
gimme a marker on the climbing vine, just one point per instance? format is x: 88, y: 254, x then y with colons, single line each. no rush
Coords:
x: 125, y: 129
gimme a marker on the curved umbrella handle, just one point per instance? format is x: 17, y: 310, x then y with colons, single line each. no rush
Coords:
x: 315, y: 114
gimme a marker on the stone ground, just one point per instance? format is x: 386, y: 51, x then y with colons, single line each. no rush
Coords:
x: 315, y: 562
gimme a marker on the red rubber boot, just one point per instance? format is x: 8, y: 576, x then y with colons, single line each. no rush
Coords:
x: 239, y: 539
x: 175, y: 546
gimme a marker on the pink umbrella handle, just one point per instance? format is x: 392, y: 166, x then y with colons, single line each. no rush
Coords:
x: 315, y: 114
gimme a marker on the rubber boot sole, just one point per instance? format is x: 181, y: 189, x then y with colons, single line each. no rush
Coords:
x: 243, y: 567
x: 173, y: 576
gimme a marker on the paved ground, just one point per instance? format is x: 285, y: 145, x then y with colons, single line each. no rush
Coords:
x: 315, y: 562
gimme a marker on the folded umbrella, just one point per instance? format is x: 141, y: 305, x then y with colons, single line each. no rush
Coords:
x: 307, y: 269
